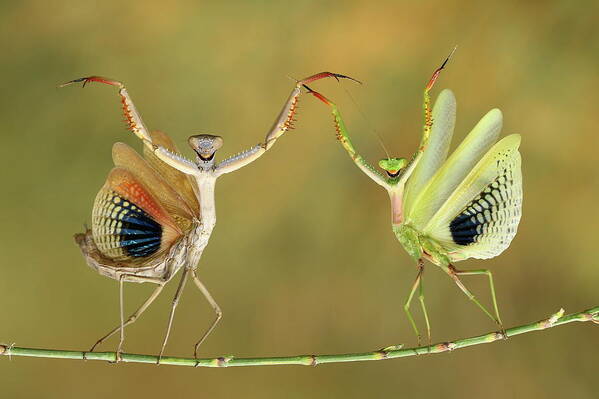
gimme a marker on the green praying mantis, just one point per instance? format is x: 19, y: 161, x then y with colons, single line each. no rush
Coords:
x: 155, y: 215
x: 449, y: 209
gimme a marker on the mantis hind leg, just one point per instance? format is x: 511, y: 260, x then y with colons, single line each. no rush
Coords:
x: 171, y: 315
x: 217, y: 311
x: 424, y: 312
x: 454, y: 273
x: 417, y: 285
x: 491, y: 286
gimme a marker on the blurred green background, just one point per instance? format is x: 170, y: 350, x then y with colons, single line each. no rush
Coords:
x: 302, y: 259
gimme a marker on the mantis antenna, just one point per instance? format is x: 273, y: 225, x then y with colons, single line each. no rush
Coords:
x: 368, y: 122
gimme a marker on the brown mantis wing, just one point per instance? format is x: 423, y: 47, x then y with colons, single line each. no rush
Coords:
x: 183, y: 184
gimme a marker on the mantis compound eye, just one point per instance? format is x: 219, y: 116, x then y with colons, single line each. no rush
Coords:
x: 205, y: 145
x: 393, y: 165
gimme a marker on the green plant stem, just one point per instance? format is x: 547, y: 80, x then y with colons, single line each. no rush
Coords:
x: 311, y: 360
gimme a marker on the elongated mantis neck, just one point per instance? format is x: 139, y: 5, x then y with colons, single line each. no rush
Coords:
x: 206, y: 184
x: 396, y: 197
x: 396, y: 193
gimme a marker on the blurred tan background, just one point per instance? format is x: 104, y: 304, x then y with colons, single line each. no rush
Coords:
x: 303, y: 259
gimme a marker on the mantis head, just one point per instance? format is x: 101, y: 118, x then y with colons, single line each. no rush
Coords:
x: 393, y: 166
x: 205, y: 145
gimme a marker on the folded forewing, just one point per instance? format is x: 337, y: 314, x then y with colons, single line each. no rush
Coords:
x: 480, y: 218
x: 438, y: 189
x: 436, y: 150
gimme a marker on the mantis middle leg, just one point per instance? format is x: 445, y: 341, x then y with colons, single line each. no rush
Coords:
x: 418, y: 285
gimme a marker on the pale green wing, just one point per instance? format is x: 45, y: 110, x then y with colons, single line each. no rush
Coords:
x: 480, y: 218
x: 444, y: 182
x: 436, y: 150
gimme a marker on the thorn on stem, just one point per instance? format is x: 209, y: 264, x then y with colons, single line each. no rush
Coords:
x: 445, y: 347
x: 553, y: 319
x: 8, y: 349
x: 221, y: 361
x: 391, y: 348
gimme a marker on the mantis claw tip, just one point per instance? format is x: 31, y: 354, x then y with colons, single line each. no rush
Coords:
x: 318, y: 95
x: 308, y: 89
x: 448, y: 57
x: 338, y: 75
x: 70, y: 82
x: 88, y: 79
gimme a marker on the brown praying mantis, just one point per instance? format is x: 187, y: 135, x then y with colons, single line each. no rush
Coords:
x: 154, y: 216
x: 449, y: 209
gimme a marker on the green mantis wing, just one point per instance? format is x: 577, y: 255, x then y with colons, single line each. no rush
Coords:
x: 481, y: 216
x: 444, y: 182
x: 435, y: 153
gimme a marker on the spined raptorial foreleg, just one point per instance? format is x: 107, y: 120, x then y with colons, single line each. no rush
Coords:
x: 132, y: 117
x: 428, y: 120
x: 137, y: 126
x: 286, y: 117
x: 342, y: 135
x: 284, y: 122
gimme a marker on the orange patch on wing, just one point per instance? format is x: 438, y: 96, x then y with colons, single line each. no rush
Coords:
x: 124, y: 183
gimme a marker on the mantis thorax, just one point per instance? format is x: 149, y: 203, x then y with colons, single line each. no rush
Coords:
x: 408, y: 237
x: 418, y: 245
